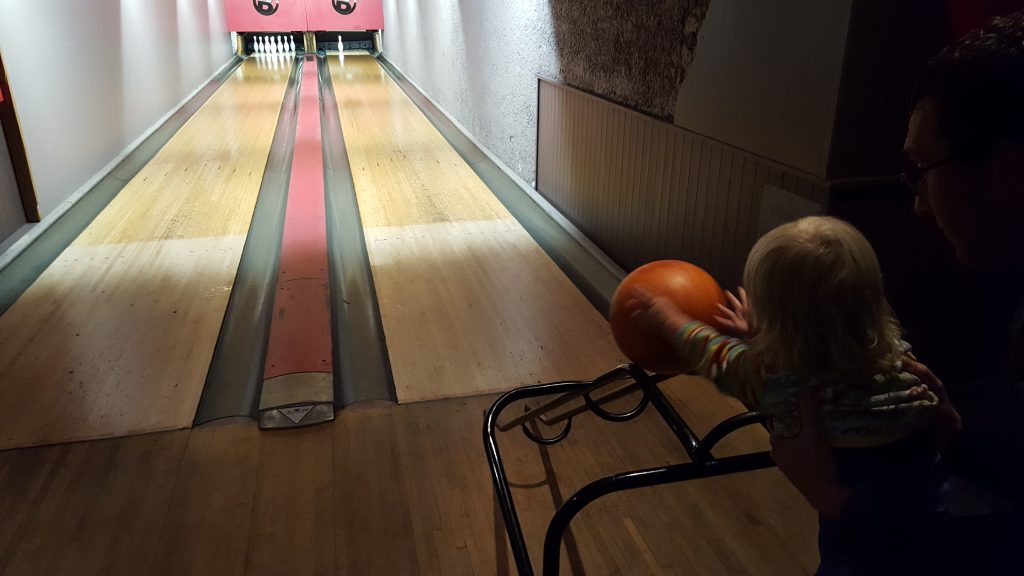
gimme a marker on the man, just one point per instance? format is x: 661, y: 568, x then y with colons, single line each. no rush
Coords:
x: 967, y: 136
x: 966, y: 141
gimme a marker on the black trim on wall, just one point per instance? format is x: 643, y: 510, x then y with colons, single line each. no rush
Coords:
x: 16, y: 149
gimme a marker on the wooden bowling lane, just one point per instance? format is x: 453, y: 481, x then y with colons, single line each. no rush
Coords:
x: 116, y: 336
x: 469, y: 302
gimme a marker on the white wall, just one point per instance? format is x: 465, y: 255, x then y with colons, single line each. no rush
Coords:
x: 479, y: 60
x: 90, y: 77
x: 765, y: 78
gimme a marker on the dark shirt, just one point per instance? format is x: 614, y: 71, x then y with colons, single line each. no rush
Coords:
x: 988, y: 454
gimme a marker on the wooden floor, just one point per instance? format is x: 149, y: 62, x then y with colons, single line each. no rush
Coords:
x: 469, y: 302
x: 116, y: 336
x: 389, y: 490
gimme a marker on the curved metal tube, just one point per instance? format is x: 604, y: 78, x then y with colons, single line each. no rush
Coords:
x: 538, y: 439
x: 702, y: 451
x: 617, y: 416
x: 639, y: 479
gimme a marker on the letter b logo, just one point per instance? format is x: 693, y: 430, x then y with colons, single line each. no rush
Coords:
x: 344, y: 8
x: 266, y: 8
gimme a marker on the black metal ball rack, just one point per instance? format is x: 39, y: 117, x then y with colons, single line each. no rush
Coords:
x: 702, y: 464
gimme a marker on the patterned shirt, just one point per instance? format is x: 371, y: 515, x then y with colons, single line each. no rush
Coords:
x: 857, y: 414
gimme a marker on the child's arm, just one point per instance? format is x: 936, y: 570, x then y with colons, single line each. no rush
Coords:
x: 723, y: 359
x: 703, y: 349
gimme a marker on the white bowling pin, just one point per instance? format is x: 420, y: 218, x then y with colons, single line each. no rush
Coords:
x: 341, y: 45
x: 291, y: 43
x: 280, y: 46
x: 256, y: 45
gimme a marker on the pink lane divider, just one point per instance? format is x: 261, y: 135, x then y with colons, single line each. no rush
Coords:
x: 300, y: 332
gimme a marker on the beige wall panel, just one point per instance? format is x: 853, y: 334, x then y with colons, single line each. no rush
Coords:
x: 644, y: 190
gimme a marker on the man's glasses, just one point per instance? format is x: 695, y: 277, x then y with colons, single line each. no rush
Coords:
x: 913, y: 175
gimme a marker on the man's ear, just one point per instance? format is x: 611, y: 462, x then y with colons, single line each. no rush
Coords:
x: 1007, y: 165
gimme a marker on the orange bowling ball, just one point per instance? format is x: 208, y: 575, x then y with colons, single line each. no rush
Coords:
x: 692, y: 289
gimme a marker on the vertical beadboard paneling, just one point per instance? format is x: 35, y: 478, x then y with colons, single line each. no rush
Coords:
x: 644, y: 190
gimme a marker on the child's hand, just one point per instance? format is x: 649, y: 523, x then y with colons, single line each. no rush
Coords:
x: 949, y: 418
x: 658, y: 313
x: 735, y: 317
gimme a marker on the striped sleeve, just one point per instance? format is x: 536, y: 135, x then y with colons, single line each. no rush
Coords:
x: 723, y: 359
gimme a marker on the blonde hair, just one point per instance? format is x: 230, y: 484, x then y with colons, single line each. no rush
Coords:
x: 817, y: 300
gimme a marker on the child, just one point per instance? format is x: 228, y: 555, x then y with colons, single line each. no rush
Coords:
x: 818, y: 323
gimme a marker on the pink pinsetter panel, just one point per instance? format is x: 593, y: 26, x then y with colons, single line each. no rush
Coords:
x: 345, y: 14
x: 266, y: 15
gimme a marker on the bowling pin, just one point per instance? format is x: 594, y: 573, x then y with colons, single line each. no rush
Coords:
x: 291, y: 42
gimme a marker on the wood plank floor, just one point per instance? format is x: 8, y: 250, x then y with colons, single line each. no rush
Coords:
x: 469, y: 302
x: 390, y: 489
x: 116, y: 336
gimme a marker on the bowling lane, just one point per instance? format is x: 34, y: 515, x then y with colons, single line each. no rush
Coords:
x: 116, y: 336
x: 469, y: 302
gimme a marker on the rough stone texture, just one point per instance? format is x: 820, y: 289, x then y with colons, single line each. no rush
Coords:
x: 630, y: 53
x: 480, y: 59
